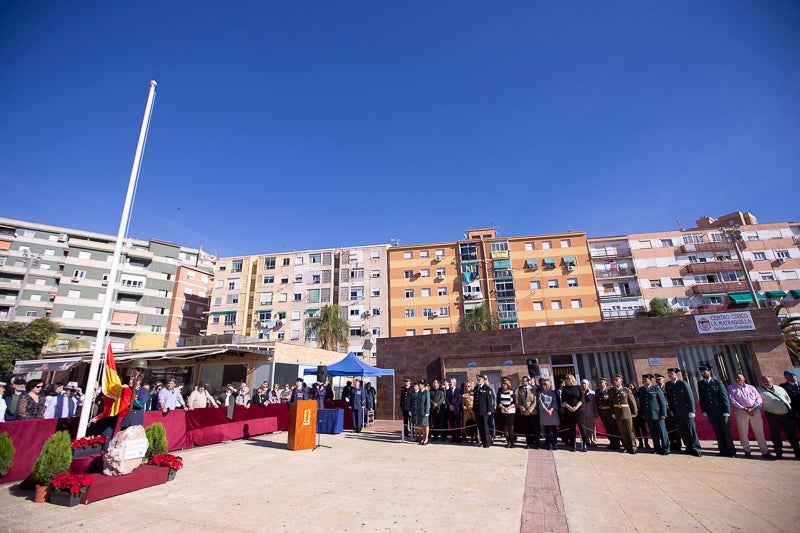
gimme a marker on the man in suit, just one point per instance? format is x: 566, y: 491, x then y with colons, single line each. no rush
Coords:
x: 358, y: 402
x: 653, y: 407
x: 528, y: 408
x: 624, y: 409
x: 681, y: 405
x: 452, y: 405
x: 604, y: 410
x: 438, y: 414
x: 792, y: 388
x: 405, y: 405
x: 715, y: 405
x: 483, y: 406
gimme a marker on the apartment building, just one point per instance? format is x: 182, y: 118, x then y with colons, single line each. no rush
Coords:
x: 62, y: 273
x: 188, y: 310
x: 698, y: 270
x: 269, y: 296
x: 526, y: 281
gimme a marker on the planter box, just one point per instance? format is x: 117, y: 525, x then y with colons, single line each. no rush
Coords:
x: 61, y: 497
x: 171, y: 476
x: 86, y: 452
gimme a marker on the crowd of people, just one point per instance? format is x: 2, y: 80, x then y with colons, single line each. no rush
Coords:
x: 661, y: 409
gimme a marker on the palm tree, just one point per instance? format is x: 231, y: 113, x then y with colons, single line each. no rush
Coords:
x: 329, y: 327
x: 790, y: 327
x: 481, y: 319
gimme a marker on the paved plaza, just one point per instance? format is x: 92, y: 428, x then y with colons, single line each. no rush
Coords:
x: 374, y: 482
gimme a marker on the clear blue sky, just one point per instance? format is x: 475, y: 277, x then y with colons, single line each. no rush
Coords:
x: 322, y: 124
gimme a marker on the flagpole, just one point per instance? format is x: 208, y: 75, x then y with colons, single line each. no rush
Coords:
x: 99, y: 344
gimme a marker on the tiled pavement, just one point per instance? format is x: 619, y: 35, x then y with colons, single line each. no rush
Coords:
x: 373, y: 482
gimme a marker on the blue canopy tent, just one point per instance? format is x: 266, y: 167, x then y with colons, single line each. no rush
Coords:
x: 353, y: 366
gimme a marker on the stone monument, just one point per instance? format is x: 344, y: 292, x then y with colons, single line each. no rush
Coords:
x: 125, y: 451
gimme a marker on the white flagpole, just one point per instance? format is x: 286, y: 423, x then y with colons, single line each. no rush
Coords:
x: 99, y: 344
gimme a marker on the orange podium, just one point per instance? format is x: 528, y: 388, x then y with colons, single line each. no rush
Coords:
x: 302, y: 425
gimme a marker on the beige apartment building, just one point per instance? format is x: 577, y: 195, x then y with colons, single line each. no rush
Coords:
x: 697, y: 270
x: 269, y: 296
x: 526, y: 281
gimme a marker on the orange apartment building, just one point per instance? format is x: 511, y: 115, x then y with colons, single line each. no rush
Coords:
x: 189, y: 306
x: 526, y: 281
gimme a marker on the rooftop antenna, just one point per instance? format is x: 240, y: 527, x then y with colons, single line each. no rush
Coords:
x: 681, y: 223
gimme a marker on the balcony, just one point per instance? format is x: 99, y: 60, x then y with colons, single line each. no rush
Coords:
x: 610, y: 253
x: 621, y: 294
x: 708, y: 288
x: 712, y: 308
x: 615, y: 314
x: 615, y: 273
x: 715, y: 266
x: 721, y: 246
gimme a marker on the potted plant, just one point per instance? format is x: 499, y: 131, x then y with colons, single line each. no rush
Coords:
x: 54, y: 459
x: 156, y: 440
x: 68, y: 488
x: 6, y: 453
x: 173, y: 462
x: 86, y: 446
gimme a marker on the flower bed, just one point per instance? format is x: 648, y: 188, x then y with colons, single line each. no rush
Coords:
x: 68, y: 488
x: 86, y: 446
x: 173, y: 462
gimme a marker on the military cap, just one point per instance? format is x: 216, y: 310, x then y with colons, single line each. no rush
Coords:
x: 659, y: 376
x: 407, y: 379
x: 648, y: 376
x: 788, y: 373
x: 616, y: 376
x: 676, y: 370
x: 602, y: 379
x: 704, y: 365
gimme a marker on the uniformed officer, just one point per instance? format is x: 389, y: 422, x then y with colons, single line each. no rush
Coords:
x: 358, y: 402
x: 672, y: 427
x: 624, y: 409
x: 483, y: 406
x: 299, y: 392
x: 604, y: 411
x: 654, y: 410
x: 681, y: 404
x: 405, y: 405
x: 715, y: 405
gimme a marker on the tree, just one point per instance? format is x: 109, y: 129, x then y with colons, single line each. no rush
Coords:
x: 659, y: 307
x: 480, y: 319
x: 22, y: 342
x: 790, y: 327
x: 329, y: 327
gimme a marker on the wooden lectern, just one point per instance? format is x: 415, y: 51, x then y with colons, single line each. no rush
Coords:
x: 302, y: 425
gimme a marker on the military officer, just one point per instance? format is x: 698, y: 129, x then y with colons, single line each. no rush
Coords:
x: 603, y: 400
x: 483, y: 406
x: 624, y: 409
x: 715, y: 405
x: 681, y: 405
x: 669, y: 422
x: 654, y: 411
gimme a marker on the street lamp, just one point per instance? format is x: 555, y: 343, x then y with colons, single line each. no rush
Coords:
x: 31, y: 259
x: 734, y: 236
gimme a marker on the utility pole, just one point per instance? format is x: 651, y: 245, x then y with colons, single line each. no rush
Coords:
x: 734, y: 236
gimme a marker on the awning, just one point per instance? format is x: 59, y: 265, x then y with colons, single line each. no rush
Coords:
x: 263, y: 311
x: 45, y: 365
x: 569, y: 259
x: 712, y: 294
x: 501, y: 263
x: 223, y: 312
x: 795, y: 293
x: 312, y: 310
x: 775, y: 294
x: 531, y: 263
x: 743, y: 297
x: 549, y: 261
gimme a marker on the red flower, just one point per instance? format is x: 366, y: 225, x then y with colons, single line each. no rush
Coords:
x: 167, y: 459
x: 89, y: 442
x: 72, y: 483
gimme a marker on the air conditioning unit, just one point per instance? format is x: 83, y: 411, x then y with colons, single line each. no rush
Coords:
x: 279, y: 323
x: 62, y: 237
x: 570, y: 267
x: 366, y: 314
x: 76, y: 279
x: 434, y: 314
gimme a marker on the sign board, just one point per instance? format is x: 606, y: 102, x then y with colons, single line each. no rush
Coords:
x: 654, y: 361
x: 722, y: 322
x: 135, y: 449
x: 545, y: 372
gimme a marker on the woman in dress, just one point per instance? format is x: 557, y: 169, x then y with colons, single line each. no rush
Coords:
x: 420, y: 410
x: 31, y: 405
x: 468, y: 415
x: 548, y: 412
x: 572, y: 400
x: 590, y: 413
x: 506, y: 408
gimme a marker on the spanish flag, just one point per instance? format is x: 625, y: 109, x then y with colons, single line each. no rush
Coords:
x: 117, y: 399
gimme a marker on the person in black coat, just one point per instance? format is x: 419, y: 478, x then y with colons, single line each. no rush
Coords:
x: 483, y: 406
x: 572, y: 401
x: 452, y: 406
x: 358, y: 402
x: 438, y: 413
x: 405, y: 405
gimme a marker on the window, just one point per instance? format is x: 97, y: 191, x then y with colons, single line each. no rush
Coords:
x: 552, y: 284
x: 281, y: 315
x: 408, y: 274
x: 232, y: 299
x: 782, y: 254
x: 356, y: 273
x: 410, y: 333
x: 427, y: 331
x: 468, y: 251
x: 78, y: 275
x: 426, y: 293
x: 444, y: 330
x: 312, y: 295
x: 223, y: 267
x: 572, y: 282
x: 538, y: 306
x: 767, y: 276
x: 74, y: 294
x: 444, y: 311
x: 315, y: 258
x: 264, y: 315
x: 555, y: 304
x: 162, y: 293
x: 36, y: 297
x: 536, y: 285
x: 355, y: 331
x: 655, y: 283
x: 297, y: 297
x: 187, y: 290
x: 269, y: 263
x: 283, y: 297
x: 576, y: 303
x: 693, y: 238
x: 190, y: 275
x: 715, y: 237
x: 68, y: 313
x: 286, y: 261
x: 439, y: 254
x: 230, y: 319
x: 666, y: 243
x: 423, y: 254
x: 284, y: 280
x: 441, y: 291
x: 218, y: 300
x: 30, y: 313
x: 236, y: 265
x: 357, y: 293
x: 530, y: 246
x: 375, y: 254
x: 295, y: 315
x: 759, y: 255
x: 233, y: 284
x: 547, y: 245
x: 500, y: 247
x: 504, y: 288
x: 427, y: 311
x: 407, y: 255
x: 425, y: 272
x: 281, y: 335
x: 409, y: 313
x: 133, y: 282
x: 268, y: 279
x: 84, y: 255
x: 677, y: 282
x: 295, y: 335
x: 355, y: 312
x: 440, y: 272
x: 409, y: 293
x: 376, y: 273
x: 375, y: 291
x: 565, y: 243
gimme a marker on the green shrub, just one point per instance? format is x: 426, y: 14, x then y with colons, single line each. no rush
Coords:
x: 6, y: 453
x: 156, y: 440
x: 54, y: 459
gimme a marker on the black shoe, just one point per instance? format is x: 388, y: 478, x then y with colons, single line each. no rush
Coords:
x: 632, y: 451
